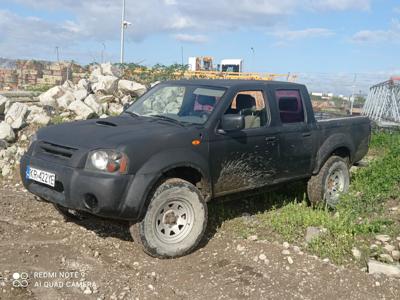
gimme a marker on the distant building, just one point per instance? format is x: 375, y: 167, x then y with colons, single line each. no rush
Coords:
x: 30, y: 72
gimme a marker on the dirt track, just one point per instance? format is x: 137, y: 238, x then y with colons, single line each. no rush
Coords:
x: 35, y: 238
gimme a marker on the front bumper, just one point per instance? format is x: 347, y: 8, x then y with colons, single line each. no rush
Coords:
x: 104, y: 195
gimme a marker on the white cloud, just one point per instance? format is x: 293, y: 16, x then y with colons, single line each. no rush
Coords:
x: 187, y: 38
x: 27, y: 36
x: 186, y: 20
x: 391, y: 35
x: 340, y: 5
x: 290, y: 35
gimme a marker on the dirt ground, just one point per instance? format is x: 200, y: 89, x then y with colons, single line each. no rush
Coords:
x: 62, y: 258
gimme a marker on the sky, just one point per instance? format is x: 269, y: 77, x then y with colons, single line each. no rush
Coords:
x: 332, y: 45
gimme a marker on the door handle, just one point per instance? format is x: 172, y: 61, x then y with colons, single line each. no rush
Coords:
x: 306, y: 134
x: 270, y: 139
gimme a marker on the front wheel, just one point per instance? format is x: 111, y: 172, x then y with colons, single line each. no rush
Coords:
x: 331, y: 181
x: 175, y: 220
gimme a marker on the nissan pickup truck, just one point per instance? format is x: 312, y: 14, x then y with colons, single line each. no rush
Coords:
x: 184, y: 143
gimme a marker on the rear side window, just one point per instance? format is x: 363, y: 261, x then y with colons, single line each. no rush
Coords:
x: 290, y: 106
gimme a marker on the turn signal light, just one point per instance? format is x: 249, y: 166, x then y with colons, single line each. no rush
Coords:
x: 196, y: 142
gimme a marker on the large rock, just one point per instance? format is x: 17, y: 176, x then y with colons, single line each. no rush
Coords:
x: 376, y: 267
x: 91, y: 101
x: 3, y: 103
x: 6, y: 132
x: 68, y: 85
x: 105, y: 98
x: 313, y: 233
x: 126, y: 99
x: 49, y: 98
x: 81, y: 110
x: 105, y: 84
x: 131, y: 87
x: 115, y: 109
x: 80, y: 94
x: 16, y: 115
x: 83, y: 84
x: 65, y: 100
x: 109, y: 69
x: 37, y: 115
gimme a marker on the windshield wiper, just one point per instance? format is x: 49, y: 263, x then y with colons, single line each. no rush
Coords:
x: 131, y: 113
x: 169, y: 119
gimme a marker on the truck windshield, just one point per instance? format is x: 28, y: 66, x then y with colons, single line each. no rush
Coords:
x: 182, y: 103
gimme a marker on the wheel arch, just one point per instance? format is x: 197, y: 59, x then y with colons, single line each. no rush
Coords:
x: 337, y: 144
x: 186, y: 165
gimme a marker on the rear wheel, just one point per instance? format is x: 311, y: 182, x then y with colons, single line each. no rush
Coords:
x: 332, y: 180
x: 175, y: 220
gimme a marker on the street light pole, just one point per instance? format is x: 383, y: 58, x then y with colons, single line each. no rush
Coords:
x: 122, y: 32
x: 102, y: 52
x: 252, y: 58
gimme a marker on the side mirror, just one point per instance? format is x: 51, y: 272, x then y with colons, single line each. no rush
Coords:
x: 231, y: 123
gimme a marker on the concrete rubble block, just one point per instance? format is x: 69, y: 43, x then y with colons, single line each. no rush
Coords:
x: 65, y: 100
x: 37, y: 115
x: 376, y: 267
x: 81, y: 110
x: 105, y: 84
x: 109, y: 70
x: 115, y: 109
x: 68, y: 85
x: 16, y: 115
x: 80, y: 94
x: 6, y: 132
x: 126, y: 99
x: 91, y: 101
x: 105, y: 98
x: 49, y: 97
x: 313, y: 233
x: 131, y: 87
x: 4, y: 102
x: 83, y: 84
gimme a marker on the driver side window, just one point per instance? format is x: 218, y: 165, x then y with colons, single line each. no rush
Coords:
x: 251, y: 105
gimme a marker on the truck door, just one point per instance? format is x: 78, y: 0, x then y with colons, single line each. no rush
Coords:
x: 245, y: 159
x: 295, y: 139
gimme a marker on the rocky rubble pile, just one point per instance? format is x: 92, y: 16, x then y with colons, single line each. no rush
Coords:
x: 101, y: 95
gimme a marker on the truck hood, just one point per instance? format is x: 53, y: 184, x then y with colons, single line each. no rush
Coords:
x: 109, y: 132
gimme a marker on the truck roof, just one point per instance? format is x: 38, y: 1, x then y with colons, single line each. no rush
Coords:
x: 227, y: 83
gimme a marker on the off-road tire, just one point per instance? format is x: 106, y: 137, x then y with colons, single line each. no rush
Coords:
x: 317, y: 185
x: 170, y: 202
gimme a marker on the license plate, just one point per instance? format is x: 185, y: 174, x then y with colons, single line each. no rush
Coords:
x: 41, y: 176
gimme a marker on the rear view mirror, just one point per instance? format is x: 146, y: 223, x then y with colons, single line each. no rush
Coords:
x: 231, y: 123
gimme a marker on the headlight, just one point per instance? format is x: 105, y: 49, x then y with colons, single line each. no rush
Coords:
x: 32, y: 139
x: 107, y: 161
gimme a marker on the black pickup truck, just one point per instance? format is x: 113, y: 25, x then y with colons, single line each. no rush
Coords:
x: 184, y: 143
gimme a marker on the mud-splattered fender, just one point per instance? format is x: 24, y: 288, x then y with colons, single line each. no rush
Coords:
x: 152, y: 171
x: 335, y: 141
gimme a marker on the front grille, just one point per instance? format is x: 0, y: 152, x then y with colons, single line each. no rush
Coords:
x: 57, y: 150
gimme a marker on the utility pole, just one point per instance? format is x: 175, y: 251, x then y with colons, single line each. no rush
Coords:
x: 124, y: 25
x: 58, y: 54
x: 252, y: 58
x: 353, y: 96
x: 182, y: 56
x: 102, y: 52
x: 122, y: 32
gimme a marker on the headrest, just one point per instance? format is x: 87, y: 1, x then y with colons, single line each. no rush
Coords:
x: 206, y: 100
x: 244, y: 101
